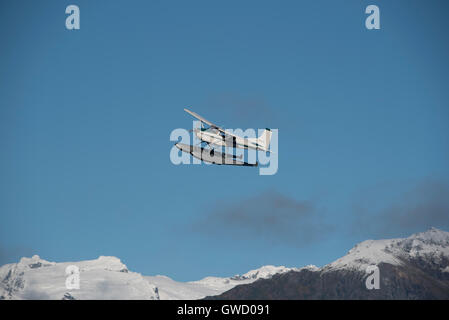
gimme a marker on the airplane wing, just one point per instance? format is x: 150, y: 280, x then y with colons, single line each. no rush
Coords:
x: 201, y: 118
x: 225, y: 133
x: 208, y: 122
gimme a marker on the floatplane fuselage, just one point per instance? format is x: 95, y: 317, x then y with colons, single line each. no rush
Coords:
x: 217, y: 136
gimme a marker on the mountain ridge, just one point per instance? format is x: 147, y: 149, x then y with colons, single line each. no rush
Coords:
x: 108, y: 278
x: 416, y: 267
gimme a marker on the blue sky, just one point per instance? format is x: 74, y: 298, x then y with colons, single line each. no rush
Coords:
x: 86, y: 115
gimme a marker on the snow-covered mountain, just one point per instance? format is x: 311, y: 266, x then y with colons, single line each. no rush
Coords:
x: 416, y: 267
x: 169, y: 289
x: 109, y: 278
x: 103, y: 278
x: 432, y: 247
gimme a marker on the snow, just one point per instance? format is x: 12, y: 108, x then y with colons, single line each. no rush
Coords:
x: 310, y: 267
x: 431, y: 245
x: 108, y: 278
x: 173, y: 290
x: 364, y: 254
x: 264, y: 272
x: 102, y: 278
x: 210, y: 286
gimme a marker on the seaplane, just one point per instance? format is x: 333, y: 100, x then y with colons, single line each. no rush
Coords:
x: 213, y: 136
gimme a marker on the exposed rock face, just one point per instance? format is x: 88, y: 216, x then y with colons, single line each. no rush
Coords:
x: 416, y: 267
x: 109, y: 278
x: 411, y: 268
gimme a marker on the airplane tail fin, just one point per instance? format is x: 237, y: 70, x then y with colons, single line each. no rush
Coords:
x: 265, y: 138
